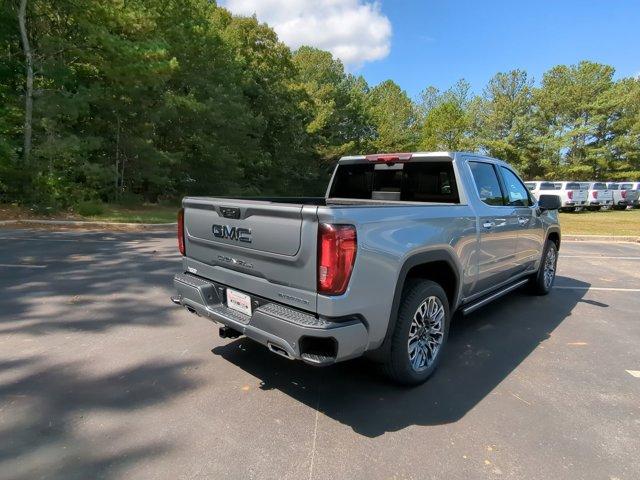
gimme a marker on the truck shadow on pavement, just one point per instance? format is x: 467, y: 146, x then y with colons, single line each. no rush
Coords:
x: 484, y: 348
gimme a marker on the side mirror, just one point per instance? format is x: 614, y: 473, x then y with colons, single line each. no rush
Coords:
x: 549, y: 202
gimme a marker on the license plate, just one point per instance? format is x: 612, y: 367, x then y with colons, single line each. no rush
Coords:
x: 239, y: 301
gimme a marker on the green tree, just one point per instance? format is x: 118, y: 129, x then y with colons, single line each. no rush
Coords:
x: 576, y: 115
x: 394, y: 116
x: 335, y: 101
x: 446, y: 122
x: 505, y: 124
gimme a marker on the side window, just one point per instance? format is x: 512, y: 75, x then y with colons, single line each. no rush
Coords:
x: 517, y: 194
x: 486, y: 180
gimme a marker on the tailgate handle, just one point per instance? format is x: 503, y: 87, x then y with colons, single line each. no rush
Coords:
x: 230, y: 212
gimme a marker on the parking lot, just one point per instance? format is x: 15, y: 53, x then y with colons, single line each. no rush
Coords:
x: 102, y: 377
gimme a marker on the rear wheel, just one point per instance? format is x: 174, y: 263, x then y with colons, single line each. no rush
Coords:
x: 543, y: 281
x: 420, y: 333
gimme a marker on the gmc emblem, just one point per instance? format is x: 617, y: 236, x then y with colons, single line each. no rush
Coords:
x: 238, y: 234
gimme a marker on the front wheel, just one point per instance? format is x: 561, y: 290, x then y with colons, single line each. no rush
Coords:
x: 542, y: 282
x: 420, y: 333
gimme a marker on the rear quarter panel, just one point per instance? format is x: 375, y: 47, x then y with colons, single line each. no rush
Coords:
x: 387, y: 237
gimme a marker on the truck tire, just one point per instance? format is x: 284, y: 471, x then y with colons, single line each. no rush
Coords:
x: 420, y: 333
x: 542, y: 282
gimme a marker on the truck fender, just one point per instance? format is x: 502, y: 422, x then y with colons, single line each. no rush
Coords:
x: 440, y: 255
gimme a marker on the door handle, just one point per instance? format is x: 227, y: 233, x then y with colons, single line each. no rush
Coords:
x: 522, y: 221
x: 489, y: 225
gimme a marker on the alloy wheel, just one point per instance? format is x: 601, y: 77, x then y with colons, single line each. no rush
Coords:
x: 426, y: 333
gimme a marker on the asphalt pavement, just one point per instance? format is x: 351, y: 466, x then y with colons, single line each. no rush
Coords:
x: 102, y: 377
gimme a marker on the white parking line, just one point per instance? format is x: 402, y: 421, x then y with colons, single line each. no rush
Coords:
x: 634, y: 373
x: 606, y: 289
x: 8, y: 265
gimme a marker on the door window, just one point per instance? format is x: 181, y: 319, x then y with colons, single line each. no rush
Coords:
x: 487, y: 184
x: 517, y: 194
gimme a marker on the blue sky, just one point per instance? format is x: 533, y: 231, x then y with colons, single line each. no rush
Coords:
x: 438, y: 42
x: 418, y: 43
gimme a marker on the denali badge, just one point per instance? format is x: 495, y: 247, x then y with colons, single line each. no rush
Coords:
x: 235, y: 261
x: 238, y: 234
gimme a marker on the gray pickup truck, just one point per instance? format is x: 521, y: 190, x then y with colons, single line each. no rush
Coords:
x: 378, y: 266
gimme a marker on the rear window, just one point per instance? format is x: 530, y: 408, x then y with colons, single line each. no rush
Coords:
x: 547, y: 186
x: 573, y: 186
x: 627, y: 186
x: 409, y: 182
x: 530, y: 185
x: 614, y: 186
x: 599, y: 186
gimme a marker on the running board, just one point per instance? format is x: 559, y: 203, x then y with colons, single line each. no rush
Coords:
x: 483, y: 301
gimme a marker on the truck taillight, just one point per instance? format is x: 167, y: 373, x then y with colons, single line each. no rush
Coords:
x: 337, y: 247
x: 594, y: 194
x: 570, y: 194
x: 623, y: 193
x: 181, y: 231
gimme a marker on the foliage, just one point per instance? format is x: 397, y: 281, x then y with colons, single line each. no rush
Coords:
x: 89, y: 208
x: 147, y: 100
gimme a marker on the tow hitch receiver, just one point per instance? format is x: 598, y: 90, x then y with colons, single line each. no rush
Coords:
x: 228, y: 332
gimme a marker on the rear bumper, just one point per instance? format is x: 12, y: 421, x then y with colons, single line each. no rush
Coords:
x: 289, y: 332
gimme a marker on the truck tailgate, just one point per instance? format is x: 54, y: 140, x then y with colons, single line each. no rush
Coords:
x: 579, y: 196
x: 261, y: 247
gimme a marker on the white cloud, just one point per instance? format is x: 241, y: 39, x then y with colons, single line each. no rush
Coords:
x: 353, y: 30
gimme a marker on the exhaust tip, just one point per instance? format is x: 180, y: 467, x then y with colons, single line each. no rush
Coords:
x: 278, y: 350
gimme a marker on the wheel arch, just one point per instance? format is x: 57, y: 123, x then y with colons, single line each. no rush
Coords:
x: 438, y: 266
x: 553, y: 234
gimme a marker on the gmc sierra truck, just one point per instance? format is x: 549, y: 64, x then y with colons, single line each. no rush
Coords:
x: 378, y: 266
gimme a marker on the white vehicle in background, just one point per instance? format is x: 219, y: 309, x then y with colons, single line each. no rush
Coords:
x: 572, y: 197
x: 633, y: 193
x: 622, y: 197
x: 598, y: 195
x: 541, y: 187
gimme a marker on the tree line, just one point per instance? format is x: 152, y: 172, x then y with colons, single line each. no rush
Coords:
x: 146, y: 100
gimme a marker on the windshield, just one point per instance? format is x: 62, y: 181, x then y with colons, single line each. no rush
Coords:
x: 410, y: 182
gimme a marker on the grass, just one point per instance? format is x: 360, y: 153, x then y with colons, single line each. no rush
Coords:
x: 111, y: 213
x: 612, y: 222
x: 141, y: 214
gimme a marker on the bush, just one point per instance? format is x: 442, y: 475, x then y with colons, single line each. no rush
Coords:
x: 89, y: 208
x: 128, y: 199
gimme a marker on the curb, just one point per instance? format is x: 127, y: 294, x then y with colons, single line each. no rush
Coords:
x: 601, y: 238
x: 83, y: 223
